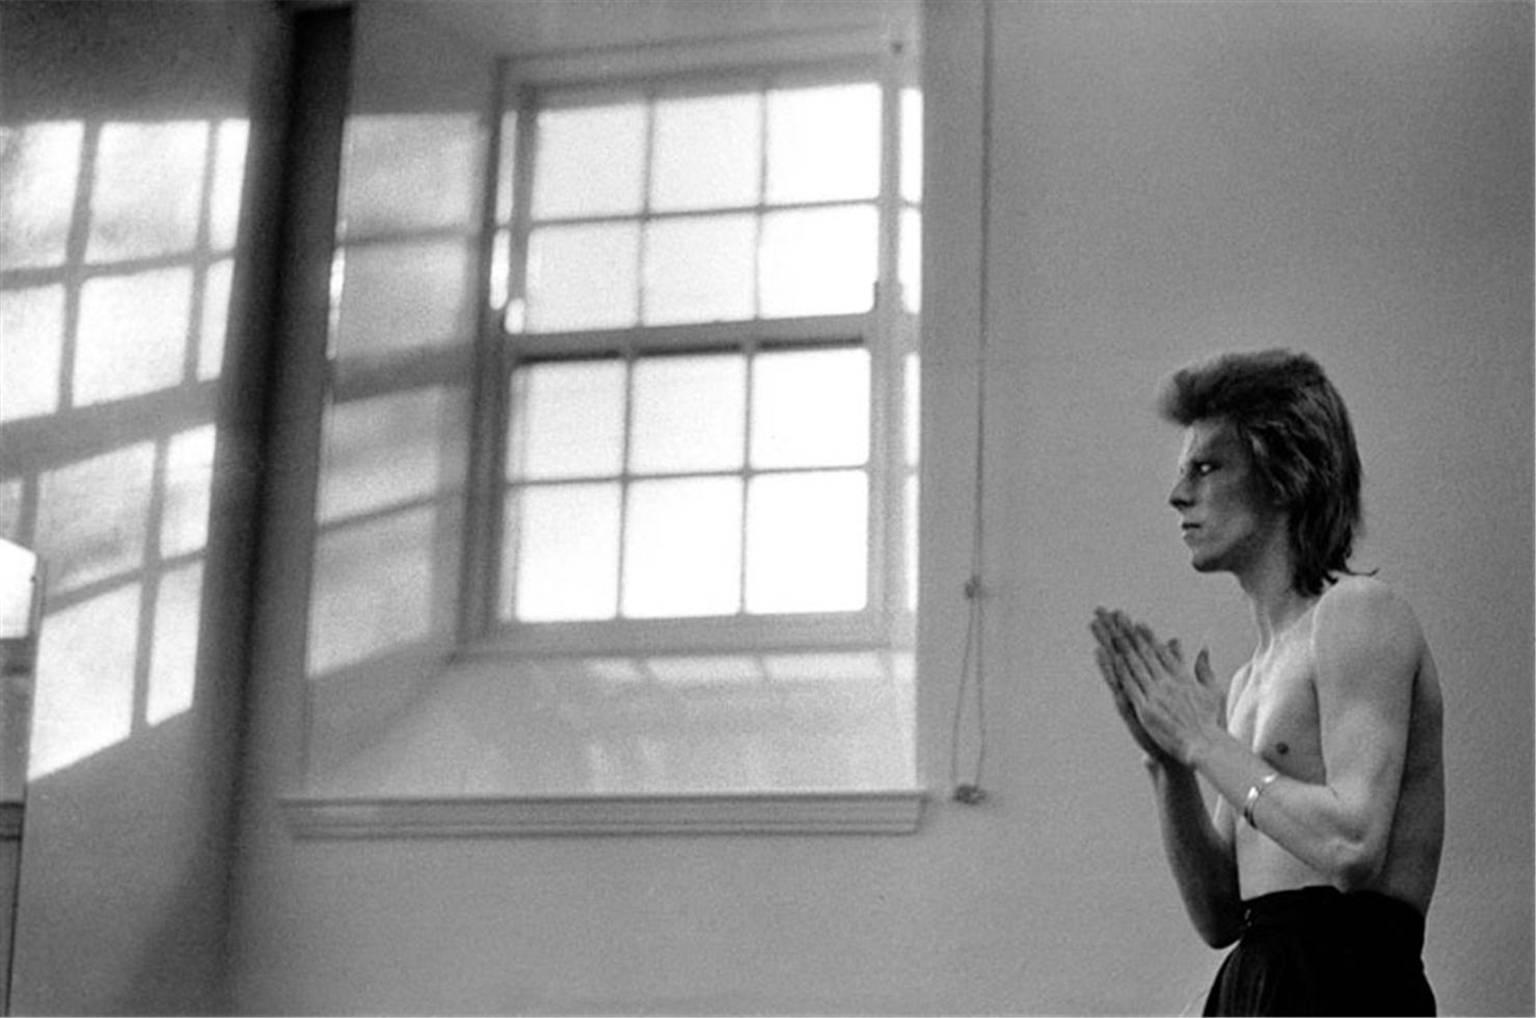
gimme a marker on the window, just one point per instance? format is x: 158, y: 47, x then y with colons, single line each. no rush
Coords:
x: 708, y: 291
x: 687, y: 592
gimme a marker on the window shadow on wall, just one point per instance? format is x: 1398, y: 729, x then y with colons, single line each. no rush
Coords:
x: 117, y: 245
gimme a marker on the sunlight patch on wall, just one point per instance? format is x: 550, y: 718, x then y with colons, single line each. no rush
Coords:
x: 215, y: 323
x: 188, y: 485
x: 173, y: 665
x: 86, y: 702
x: 148, y: 190
x: 117, y: 243
x: 39, y: 166
x: 669, y: 724
x: 93, y: 518
x: 31, y: 350
x: 231, y: 138
x: 146, y: 313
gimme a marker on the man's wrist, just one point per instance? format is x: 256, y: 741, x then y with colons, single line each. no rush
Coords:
x: 1158, y: 764
x: 1199, y: 749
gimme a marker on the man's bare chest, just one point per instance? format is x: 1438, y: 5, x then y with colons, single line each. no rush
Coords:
x: 1275, y: 711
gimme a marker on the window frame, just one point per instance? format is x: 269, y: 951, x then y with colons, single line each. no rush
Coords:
x: 887, y: 331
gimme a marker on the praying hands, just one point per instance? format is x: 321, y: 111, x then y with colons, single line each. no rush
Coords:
x: 1171, y: 708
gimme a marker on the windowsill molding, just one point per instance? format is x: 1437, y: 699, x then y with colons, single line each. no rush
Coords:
x: 877, y: 812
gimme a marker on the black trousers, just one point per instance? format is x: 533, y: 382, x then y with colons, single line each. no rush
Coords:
x: 1318, y: 951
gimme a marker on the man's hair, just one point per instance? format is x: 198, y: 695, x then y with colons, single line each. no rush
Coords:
x: 1297, y: 431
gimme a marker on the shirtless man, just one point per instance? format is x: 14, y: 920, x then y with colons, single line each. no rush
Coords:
x: 1324, y: 752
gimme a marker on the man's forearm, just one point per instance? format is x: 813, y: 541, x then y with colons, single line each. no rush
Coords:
x: 1201, y: 861
x: 1307, y: 820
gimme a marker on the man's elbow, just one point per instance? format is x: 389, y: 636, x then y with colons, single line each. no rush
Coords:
x: 1219, y: 931
x: 1355, y: 862
x: 1220, y: 937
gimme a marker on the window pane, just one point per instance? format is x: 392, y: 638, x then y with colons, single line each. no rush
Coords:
x: 567, y: 420
x: 582, y: 277
x: 810, y: 408
x: 699, y: 270
x: 689, y: 414
x: 567, y: 541
x: 910, y: 269
x: 410, y: 171
x: 824, y: 143
x: 372, y: 589
x: 909, y: 494
x: 405, y: 296
x: 912, y: 391
x: 807, y: 542
x: 682, y: 549
x: 708, y: 152
x: 381, y: 452
x: 819, y: 261
x: 501, y: 270
x: 589, y: 161
x: 507, y: 161
x: 912, y: 144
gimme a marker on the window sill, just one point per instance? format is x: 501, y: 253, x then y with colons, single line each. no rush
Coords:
x: 885, y: 812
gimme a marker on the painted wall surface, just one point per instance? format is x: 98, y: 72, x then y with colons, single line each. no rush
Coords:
x: 125, y: 460
x: 1165, y: 180
x: 1351, y: 180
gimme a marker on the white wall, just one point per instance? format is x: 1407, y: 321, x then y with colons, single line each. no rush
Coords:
x: 1166, y: 180
x: 1352, y: 180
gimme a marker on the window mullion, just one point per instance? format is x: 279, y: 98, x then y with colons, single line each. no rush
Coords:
x: 749, y: 355
x: 643, y: 222
x: 886, y: 406
x: 482, y: 546
x: 525, y: 152
x: 625, y: 478
x: 763, y: 141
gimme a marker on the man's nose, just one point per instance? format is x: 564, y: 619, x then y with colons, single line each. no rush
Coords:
x: 1180, y: 497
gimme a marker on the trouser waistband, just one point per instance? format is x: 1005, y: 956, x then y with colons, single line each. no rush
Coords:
x: 1388, y: 921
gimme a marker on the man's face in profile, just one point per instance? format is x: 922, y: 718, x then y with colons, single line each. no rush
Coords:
x: 1220, y: 514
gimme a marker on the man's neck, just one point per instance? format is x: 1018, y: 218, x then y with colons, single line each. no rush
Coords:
x: 1269, y: 584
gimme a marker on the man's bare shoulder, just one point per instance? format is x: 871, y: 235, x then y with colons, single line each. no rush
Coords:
x: 1360, y: 619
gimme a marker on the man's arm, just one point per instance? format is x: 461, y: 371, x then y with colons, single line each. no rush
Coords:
x: 1367, y: 646
x: 1199, y: 850
x: 1198, y: 845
